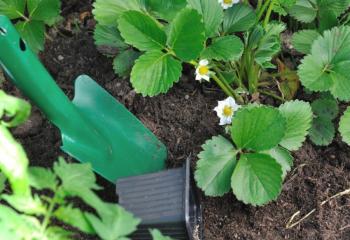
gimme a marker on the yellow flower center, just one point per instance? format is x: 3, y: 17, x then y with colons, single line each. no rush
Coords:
x: 228, y: 1
x: 203, y: 70
x: 228, y: 111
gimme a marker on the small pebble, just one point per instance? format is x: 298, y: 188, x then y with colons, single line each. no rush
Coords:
x: 60, y: 57
x: 187, y: 97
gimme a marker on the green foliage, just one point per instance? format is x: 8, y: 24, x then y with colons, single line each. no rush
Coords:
x: 298, y: 116
x: 325, y: 70
x: 252, y: 126
x: 227, y: 48
x: 255, y: 163
x: 325, y: 13
x: 257, y: 179
x: 322, y: 131
x: 186, y: 35
x: 344, y: 126
x: 215, y: 166
x: 157, y: 235
x: 239, y: 18
x: 281, y: 6
x: 155, y: 72
x: 165, y: 9
x: 212, y: 13
x: 172, y: 33
x: 303, y: 40
x: 31, y: 17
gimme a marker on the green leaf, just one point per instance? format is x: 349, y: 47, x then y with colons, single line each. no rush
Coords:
x: 26, y: 204
x: 76, y: 177
x: 344, y: 126
x: 239, y: 18
x: 74, y: 217
x: 298, y: 116
x: 336, y: 7
x: 258, y: 128
x: 15, y: 108
x: 44, y: 10
x: 304, y: 10
x: 33, y: 33
x: 12, y: 8
x: 227, y: 48
x: 41, y: 178
x: 57, y: 233
x: 157, y: 235
x: 325, y: 108
x: 281, y: 6
x: 108, y: 37
x: 124, y: 62
x: 115, y: 224
x: 303, y: 40
x: 2, y: 182
x: 257, y: 179
x: 155, y: 73
x: 141, y: 31
x: 269, y: 45
x: 107, y: 12
x: 215, y: 166
x: 212, y: 13
x: 187, y: 34
x: 165, y: 9
x: 14, y: 162
x: 325, y: 70
x: 283, y: 157
x: 322, y: 131
x: 14, y: 225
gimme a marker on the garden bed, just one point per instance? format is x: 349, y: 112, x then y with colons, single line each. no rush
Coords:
x: 183, y: 119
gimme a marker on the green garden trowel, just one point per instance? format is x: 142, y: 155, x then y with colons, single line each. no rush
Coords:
x: 95, y: 127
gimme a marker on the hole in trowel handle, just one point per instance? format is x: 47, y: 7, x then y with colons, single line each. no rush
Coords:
x: 3, y: 31
x: 22, y: 45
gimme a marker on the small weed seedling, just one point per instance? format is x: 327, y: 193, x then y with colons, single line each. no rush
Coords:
x: 256, y: 161
x: 225, y: 41
x: 31, y: 17
x: 39, y: 196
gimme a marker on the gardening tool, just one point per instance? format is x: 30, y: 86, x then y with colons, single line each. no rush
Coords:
x: 166, y: 200
x: 95, y: 127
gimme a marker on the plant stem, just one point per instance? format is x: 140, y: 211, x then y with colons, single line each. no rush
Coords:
x: 272, y: 95
x: 23, y: 16
x: 263, y: 8
x: 226, y: 87
x: 259, y: 5
x: 48, y: 214
x: 268, y: 14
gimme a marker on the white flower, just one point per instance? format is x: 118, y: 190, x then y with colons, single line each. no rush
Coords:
x: 226, y: 109
x: 227, y: 3
x: 203, y: 71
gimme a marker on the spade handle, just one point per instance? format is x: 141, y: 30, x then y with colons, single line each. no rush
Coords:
x: 30, y: 76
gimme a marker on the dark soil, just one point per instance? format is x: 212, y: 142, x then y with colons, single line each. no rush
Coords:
x: 183, y: 119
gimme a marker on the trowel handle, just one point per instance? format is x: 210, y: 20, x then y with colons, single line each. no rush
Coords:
x: 30, y: 76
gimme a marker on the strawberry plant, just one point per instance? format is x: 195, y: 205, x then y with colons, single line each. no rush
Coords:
x: 31, y: 17
x: 40, y: 197
x: 155, y: 38
x: 327, y: 72
x: 255, y: 161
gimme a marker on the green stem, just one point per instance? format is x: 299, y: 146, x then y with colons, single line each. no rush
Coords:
x: 268, y: 14
x: 47, y: 217
x: 23, y: 16
x: 262, y: 9
x: 226, y: 87
x: 272, y: 95
x: 258, y: 7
